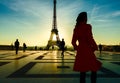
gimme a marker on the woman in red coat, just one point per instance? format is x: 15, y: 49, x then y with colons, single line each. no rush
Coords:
x: 85, y: 58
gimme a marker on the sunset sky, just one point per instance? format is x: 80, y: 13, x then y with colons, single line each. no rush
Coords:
x: 30, y: 21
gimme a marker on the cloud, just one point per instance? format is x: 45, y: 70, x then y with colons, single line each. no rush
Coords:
x: 29, y: 7
x: 102, y: 13
x: 29, y: 12
x: 116, y: 13
x: 94, y: 14
x: 36, y: 16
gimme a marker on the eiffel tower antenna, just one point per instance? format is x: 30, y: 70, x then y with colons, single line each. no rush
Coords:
x: 54, y: 16
x: 54, y: 31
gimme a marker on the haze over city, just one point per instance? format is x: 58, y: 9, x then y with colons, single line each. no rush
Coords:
x: 30, y: 21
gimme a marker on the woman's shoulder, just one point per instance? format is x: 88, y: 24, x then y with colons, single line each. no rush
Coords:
x: 76, y: 29
x: 88, y: 25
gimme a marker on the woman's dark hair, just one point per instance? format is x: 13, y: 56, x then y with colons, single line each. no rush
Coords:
x: 82, y: 17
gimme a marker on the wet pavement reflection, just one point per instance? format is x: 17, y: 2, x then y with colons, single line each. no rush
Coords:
x: 44, y: 66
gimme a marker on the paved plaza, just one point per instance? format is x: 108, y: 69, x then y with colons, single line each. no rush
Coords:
x: 50, y: 67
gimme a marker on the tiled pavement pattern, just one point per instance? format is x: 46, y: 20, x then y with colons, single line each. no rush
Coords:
x: 49, y: 67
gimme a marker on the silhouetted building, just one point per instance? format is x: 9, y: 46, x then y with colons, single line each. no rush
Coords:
x: 54, y: 31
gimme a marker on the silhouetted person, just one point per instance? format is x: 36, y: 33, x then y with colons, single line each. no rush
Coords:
x: 85, y: 58
x: 24, y: 47
x: 36, y: 48
x: 52, y: 47
x: 100, y: 48
x: 62, y: 47
x: 16, y: 46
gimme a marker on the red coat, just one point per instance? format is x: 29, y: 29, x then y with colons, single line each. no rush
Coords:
x: 85, y: 58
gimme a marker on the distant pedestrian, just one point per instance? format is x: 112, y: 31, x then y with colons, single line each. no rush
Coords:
x: 52, y: 47
x: 16, y: 46
x: 100, y: 49
x: 62, y: 47
x: 24, y: 47
x: 36, y: 48
x: 85, y: 58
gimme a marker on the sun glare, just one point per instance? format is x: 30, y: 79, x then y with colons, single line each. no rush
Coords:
x: 54, y: 37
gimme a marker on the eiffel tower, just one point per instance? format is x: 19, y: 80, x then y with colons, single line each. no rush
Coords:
x: 54, y: 31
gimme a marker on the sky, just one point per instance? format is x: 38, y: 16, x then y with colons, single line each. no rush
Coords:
x: 30, y: 21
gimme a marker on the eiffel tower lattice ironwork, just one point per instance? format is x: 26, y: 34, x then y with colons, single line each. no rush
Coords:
x: 54, y: 31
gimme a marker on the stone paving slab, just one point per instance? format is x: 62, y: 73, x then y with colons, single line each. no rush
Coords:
x: 49, y: 67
